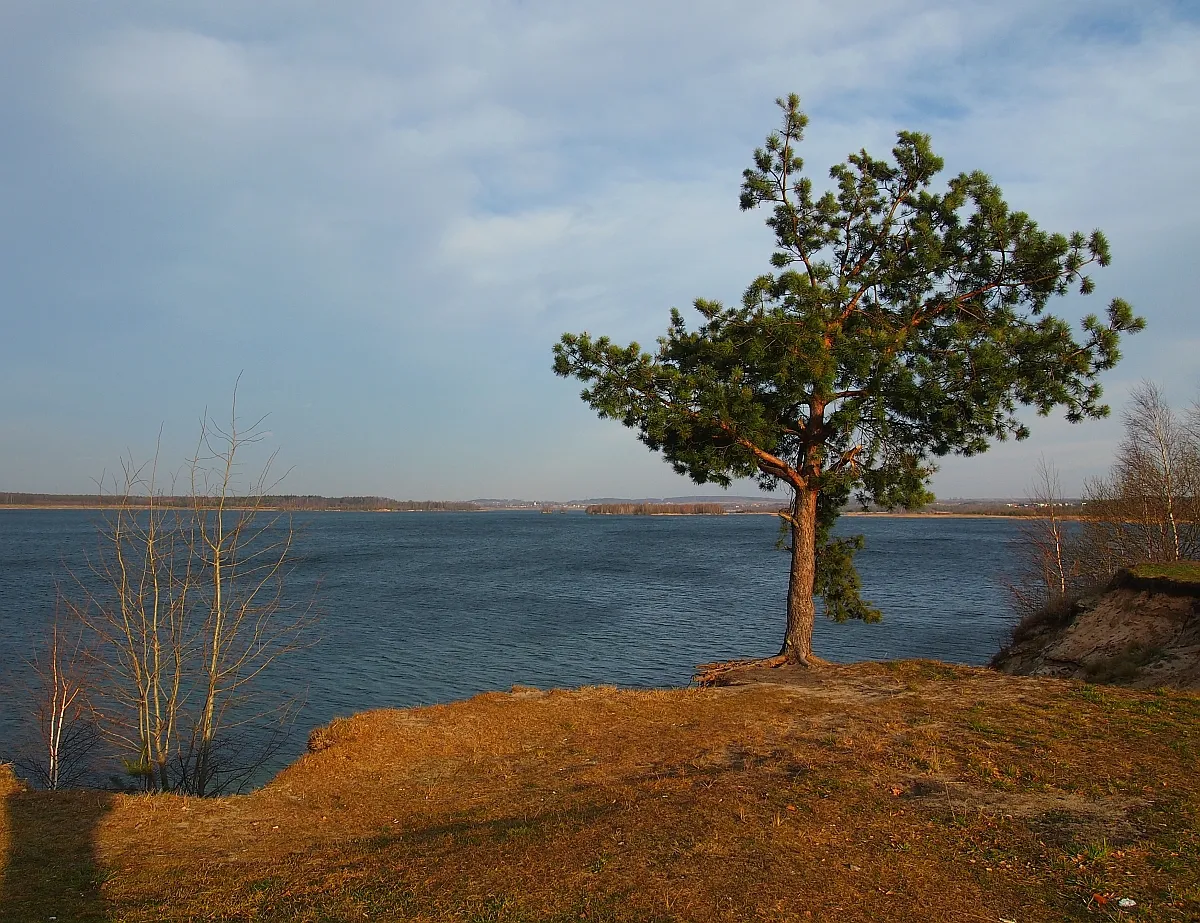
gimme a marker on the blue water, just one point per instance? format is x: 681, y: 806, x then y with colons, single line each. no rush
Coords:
x: 427, y: 607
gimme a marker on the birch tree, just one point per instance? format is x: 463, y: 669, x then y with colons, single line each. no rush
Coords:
x: 137, y: 610
x: 244, y: 553
x: 66, y: 729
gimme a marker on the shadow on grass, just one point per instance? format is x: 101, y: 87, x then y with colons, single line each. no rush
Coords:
x: 51, y: 869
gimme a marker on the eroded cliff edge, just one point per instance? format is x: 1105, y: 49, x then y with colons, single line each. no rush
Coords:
x: 1141, y: 630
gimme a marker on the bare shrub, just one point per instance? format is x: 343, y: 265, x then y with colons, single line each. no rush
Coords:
x: 1145, y: 509
x: 183, y: 609
x: 1048, y: 572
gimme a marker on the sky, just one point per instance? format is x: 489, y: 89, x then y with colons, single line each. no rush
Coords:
x: 381, y: 216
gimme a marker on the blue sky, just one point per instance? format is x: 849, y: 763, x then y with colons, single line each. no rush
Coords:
x: 383, y: 215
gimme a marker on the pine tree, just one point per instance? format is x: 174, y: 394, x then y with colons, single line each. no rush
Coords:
x: 898, y: 325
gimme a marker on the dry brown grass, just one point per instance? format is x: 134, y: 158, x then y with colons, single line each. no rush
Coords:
x: 909, y: 791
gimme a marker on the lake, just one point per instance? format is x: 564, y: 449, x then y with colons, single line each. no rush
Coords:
x: 420, y: 608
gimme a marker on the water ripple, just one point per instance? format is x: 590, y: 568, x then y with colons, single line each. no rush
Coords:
x: 422, y: 608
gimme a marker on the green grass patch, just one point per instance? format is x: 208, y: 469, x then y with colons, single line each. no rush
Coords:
x: 1180, y: 571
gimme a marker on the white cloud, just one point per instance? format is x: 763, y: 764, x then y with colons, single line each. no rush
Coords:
x: 395, y: 177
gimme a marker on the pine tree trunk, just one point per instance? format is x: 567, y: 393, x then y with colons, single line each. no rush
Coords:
x: 801, y: 610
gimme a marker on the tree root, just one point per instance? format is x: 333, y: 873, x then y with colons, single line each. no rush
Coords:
x: 712, y: 674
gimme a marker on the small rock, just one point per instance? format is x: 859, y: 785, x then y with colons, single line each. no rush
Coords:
x: 1126, y: 903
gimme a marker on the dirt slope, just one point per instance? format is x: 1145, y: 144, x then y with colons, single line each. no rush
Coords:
x: 1141, y: 631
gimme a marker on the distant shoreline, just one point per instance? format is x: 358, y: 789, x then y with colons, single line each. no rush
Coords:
x: 239, y: 509
x: 935, y: 514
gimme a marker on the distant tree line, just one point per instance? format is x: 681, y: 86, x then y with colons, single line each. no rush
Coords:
x: 292, y: 502
x: 431, y: 506
x: 656, y: 509
x: 1070, y: 509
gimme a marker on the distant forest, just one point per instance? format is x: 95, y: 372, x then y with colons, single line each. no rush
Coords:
x: 279, y: 502
x: 656, y: 509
